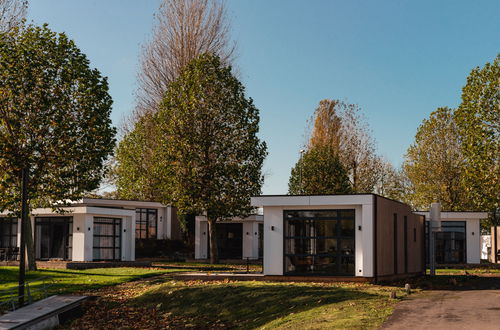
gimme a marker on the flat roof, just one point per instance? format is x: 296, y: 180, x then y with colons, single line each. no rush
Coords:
x: 353, y: 195
x: 119, y: 202
x: 311, y: 200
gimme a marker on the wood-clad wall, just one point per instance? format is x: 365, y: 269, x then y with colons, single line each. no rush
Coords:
x: 398, y: 253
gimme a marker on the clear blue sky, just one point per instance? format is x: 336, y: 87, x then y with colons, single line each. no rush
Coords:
x: 399, y: 60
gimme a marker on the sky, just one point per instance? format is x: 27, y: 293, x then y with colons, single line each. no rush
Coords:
x: 398, y: 60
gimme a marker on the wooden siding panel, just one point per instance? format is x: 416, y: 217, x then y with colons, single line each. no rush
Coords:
x: 385, y: 238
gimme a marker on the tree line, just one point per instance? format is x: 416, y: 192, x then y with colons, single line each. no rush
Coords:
x: 192, y: 139
x: 454, y: 159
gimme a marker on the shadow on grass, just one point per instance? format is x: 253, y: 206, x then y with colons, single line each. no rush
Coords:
x: 245, y: 305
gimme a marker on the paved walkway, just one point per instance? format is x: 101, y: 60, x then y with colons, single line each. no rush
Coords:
x: 460, y: 309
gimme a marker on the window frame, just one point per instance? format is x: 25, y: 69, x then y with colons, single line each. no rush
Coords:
x: 9, y: 222
x: 146, y: 212
x: 115, y: 222
x: 338, y: 256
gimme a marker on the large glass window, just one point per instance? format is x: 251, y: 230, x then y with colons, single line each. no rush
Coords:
x: 53, y: 238
x: 8, y: 239
x: 107, y: 238
x: 450, y: 242
x: 8, y: 232
x: 146, y: 223
x: 319, y: 242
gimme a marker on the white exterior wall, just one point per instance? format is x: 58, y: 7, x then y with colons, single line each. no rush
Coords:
x: 201, y: 238
x: 79, y: 227
x: 273, y: 217
x: 251, y: 240
x: 473, y: 241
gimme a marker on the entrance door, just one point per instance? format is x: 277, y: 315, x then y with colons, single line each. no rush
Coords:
x: 229, y: 241
x: 107, y: 239
x: 53, y: 237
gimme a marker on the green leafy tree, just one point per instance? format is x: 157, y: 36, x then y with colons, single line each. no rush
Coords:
x: 54, y: 121
x: 319, y: 171
x: 434, y: 164
x: 478, y: 118
x: 135, y: 174
x: 209, y: 152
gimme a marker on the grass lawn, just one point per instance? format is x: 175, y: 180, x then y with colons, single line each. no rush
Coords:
x: 69, y: 281
x: 244, y: 305
x: 470, y: 271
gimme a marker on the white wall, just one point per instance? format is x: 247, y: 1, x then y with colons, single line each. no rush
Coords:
x: 473, y: 241
x: 79, y: 227
x: 201, y: 238
x: 251, y: 240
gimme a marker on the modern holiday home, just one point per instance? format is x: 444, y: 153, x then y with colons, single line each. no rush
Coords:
x: 237, y: 238
x: 459, y: 240
x: 91, y: 230
x: 362, y: 235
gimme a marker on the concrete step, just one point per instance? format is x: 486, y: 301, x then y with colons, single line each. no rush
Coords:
x: 44, y: 314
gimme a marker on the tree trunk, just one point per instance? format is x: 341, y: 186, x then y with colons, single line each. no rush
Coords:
x: 214, y: 257
x: 30, y: 247
x: 26, y: 228
x: 355, y: 177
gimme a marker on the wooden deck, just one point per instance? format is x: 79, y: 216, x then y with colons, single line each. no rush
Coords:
x: 42, y: 314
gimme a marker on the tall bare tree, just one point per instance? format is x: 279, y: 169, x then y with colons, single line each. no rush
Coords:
x: 12, y: 13
x: 184, y: 29
x: 342, y: 127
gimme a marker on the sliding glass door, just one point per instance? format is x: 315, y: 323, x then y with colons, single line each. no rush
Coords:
x: 319, y: 242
